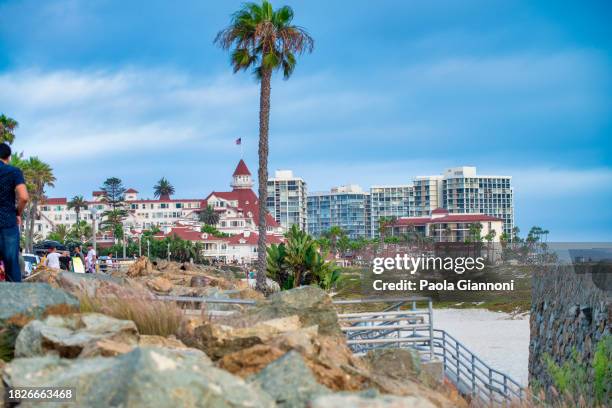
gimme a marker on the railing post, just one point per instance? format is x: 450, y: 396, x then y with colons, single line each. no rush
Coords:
x: 430, y: 310
x: 473, y: 372
x: 444, y: 350
x: 490, y: 385
x: 457, y: 361
x: 505, y: 387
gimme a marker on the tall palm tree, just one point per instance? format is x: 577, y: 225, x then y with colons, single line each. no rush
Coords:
x: 163, y: 189
x: 7, y: 129
x: 77, y: 204
x: 264, y: 40
x: 383, y: 223
x: 38, y: 175
x: 334, y: 234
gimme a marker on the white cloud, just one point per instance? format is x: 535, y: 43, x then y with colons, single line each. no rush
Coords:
x: 83, y: 114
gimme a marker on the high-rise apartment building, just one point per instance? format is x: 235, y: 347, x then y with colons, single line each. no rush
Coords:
x: 347, y: 207
x: 287, y: 199
x: 459, y: 190
x: 427, y: 195
x: 465, y: 192
x: 390, y: 201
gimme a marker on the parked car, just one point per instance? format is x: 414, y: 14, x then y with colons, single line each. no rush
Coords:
x: 31, y: 261
x: 42, y: 248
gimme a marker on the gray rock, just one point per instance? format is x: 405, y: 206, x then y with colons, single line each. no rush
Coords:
x: 289, y: 381
x: 394, y: 363
x: 310, y: 303
x: 357, y: 401
x: 75, y: 335
x: 22, y: 302
x: 144, y: 377
x: 88, y: 282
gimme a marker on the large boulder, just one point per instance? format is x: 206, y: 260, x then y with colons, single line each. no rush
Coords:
x: 399, y: 372
x: 394, y: 363
x: 160, y: 284
x: 76, y: 335
x: 85, y: 282
x: 328, y: 357
x: 289, y: 381
x: 250, y: 360
x: 159, y: 341
x: 142, y: 267
x: 311, y: 304
x: 144, y: 377
x: 217, y: 340
x: 21, y: 303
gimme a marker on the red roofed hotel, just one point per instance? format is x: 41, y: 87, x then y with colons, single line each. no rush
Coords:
x: 238, y: 211
x: 445, y: 227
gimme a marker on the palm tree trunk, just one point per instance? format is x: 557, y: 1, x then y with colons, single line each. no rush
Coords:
x: 78, y: 220
x: 262, y: 175
x: 30, y: 226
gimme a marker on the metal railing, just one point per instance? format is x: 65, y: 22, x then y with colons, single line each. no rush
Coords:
x: 400, y: 325
x: 471, y: 375
x: 404, y: 325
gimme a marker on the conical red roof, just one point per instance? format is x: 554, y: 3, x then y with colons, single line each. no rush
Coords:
x: 242, y: 169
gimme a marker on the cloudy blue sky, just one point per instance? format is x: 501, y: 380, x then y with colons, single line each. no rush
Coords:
x: 394, y: 89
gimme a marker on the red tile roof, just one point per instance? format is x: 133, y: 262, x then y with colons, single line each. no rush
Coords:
x: 440, y: 211
x: 252, y: 239
x: 242, y: 169
x: 464, y: 218
x: 97, y: 193
x: 55, y: 201
x: 131, y: 191
x: 188, y: 234
x: 446, y: 219
x: 412, y: 221
x: 247, y: 201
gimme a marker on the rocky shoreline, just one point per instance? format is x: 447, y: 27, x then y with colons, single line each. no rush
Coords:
x: 288, y: 350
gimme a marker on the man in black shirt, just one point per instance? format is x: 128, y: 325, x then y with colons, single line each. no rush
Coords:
x: 13, y: 199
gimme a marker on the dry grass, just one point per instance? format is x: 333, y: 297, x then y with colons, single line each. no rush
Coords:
x: 152, y: 317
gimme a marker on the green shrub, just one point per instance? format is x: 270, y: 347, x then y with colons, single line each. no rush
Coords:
x: 602, y: 370
x: 577, y: 380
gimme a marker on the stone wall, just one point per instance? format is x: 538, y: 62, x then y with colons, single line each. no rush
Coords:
x: 568, y: 311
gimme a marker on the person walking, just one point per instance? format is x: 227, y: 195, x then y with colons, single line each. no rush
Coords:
x: 91, y: 259
x: 78, y: 254
x: 53, y: 259
x: 13, y: 199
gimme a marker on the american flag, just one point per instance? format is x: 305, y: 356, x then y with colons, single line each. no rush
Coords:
x: 239, y: 141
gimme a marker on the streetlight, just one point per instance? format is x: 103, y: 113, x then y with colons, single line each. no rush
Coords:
x: 94, y: 212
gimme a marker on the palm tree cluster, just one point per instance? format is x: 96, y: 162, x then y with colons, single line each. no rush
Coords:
x: 300, y: 261
x: 7, y: 129
x: 264, y: 40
